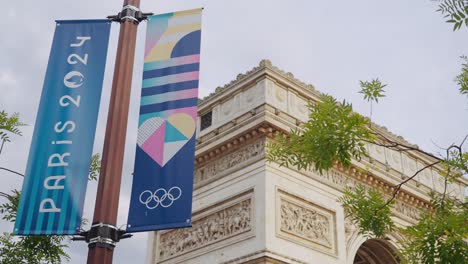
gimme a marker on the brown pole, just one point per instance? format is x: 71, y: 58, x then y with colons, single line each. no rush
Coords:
x: 107, y: 200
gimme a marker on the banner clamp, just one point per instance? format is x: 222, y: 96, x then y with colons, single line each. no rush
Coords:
x: 130, y: 13
x: 102, y: 235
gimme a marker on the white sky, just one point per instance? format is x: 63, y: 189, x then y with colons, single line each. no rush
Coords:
x: 331, y: 44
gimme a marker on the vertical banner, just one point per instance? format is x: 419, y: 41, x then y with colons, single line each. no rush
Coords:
x: 164, y: 164
x: 54, y: 186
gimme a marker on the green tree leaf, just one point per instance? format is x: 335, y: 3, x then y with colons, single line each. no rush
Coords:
x: 333, y: 133
x: 372, y: 90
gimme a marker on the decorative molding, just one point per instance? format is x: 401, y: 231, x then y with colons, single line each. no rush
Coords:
x: 239, y: 158
x: 263, y: 65
x: 268, y: 255
x: 222, y: 224
x: 218, y: 162
x: 305, y: 223
x: 340, y: 177
x: 229, y: 145
x: 350, y: 228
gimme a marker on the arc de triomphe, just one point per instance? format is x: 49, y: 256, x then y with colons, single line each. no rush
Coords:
x: 247, y: 210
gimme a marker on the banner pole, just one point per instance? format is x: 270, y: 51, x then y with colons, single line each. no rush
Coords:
x: 102, y: 233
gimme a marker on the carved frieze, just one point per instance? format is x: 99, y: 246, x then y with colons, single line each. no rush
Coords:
x: 222, y: 222
x: 350, y: 228
x: 219, y: 167
x: 406, y: 210
x: 339, y: 180
x: 305, y: 223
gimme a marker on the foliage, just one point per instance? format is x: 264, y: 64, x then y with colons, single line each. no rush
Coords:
x: 333, y: 133
x: 28, y: 249
x: 368, y: 210
x: 9, y: 124
x: 372, y: 90
x: 439, y: 236
x: 8, y: 209
x: 34, y: 249
x: 456, y: 163
x: 462, y: 78
x: 456, y: 11
x: 95, y: 167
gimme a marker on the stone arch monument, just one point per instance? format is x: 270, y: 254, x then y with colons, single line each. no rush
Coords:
x: 246, y: 210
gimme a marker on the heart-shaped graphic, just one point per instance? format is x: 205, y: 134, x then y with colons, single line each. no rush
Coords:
x: 161, y: 139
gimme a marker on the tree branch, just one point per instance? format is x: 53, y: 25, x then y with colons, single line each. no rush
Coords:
x: 398, y: 186
x: 5, y: 195
x: 1, y: 147
x: 463, y: 141
x: 398, y: 146
x: 12, y: 171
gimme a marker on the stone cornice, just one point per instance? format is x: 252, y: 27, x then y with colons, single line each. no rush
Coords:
x: 262, y: 255
x: 266, y: 69
x: 408, y: 194
x: 233, y: 140
x: 262, y: 66
x: 264, y: 119
x: 234, y: 143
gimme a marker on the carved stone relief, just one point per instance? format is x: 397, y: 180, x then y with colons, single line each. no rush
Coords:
x: 336, y: 179
x: 340, y: 180
x: 425, y: 176
x: 252, y: 97
x: 407, y: 165
x: 216, y: 115
x: 439, y: 182
x: 220, y: 224
x: 350, y: 228
x: 410, y: 166
x: 280, y: 98
x: 376, y: 152
x: 305, y: 223
x: 281, y: 94
x: 228, y: 107
x: 269, y: 86
x: 218, y: 168
x: 406, y: 210
x: 393, y: 159
x: 301, y: 109
x: 297, y: 107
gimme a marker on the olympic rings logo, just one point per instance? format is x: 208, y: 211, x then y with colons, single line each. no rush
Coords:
x: 160, y: 197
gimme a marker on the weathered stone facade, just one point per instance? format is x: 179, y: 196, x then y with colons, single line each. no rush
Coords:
x: 247, y: 210
x: 220, y: 224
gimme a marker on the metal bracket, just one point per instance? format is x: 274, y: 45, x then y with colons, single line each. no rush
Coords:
x: 130, y: 13
x: 102, y: 235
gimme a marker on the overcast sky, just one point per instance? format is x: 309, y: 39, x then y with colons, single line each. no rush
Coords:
x: 330, y: 44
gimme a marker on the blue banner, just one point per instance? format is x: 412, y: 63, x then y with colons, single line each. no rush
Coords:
x: 164, y: 163
x: 56, y: 176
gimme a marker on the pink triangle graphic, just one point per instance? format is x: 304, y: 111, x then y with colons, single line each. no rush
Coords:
x: 154, y: 145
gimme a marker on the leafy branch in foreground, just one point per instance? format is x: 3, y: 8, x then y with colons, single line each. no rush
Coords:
x: 462, y: 78
x: 28, y: 249
x: 456, y: 11
x: 439, y: 236
x: 368, y: 210
x: 372, y: 90
x: 333, y: 133
x: 95, y: 167
x: 9, y: 124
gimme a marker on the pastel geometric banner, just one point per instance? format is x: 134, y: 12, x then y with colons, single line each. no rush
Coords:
x: 56, y: 175
x: 164, y: 163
